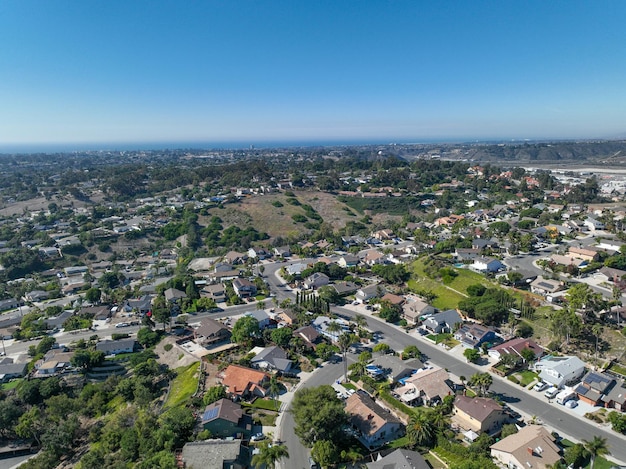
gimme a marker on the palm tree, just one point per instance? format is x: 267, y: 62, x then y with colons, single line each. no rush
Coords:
x: 333, y: 327
x: 482, y: 382
x: 596, y: 447
x: 358, y: 369
x: 361, y: 322
x: 274, y: 389
x: 420, y: 430
x: 269, y: 455
x: 596, y: 330
x: 344, y: 341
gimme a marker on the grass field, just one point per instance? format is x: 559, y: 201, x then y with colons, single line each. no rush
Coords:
x: 11, y: 384
x: 183, y: 386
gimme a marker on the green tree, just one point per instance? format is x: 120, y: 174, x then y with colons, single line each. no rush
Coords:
x: 93, y: 295
x: 325, y: 452
x: 214, y: 394
x: 268, y: 455
x: 245, y: 330
x: 596, y: 447
x: 147, y: 337
x: 343, y: 342
x: 281, y: 336
x: 420, y: 430
x: 471, y: 355
x: 274, y: 389
x: 411, y: 351
x: 318, y: 414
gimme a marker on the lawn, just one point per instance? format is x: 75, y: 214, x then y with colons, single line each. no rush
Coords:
x: 11, y: 384
x: 438, y: 338
x: 265, y: 404
x: 527, y: 377
x: 349, y: 386
x: 600, y: 463
x: 434, y: 462
x: 183, y: 386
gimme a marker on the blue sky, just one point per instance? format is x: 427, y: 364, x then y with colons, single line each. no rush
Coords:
x: 254, y: 71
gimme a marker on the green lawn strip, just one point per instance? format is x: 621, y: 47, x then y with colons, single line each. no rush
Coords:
x: 11, y: 384
x: 434, y: 462
x: 349, y: 386
x: 467, y: 278
x: 527, y: 377
x: 265, y: 404
x: 392, y: 401
x: 448, y: 456
x: 183, y: 386
x: 402, y: 442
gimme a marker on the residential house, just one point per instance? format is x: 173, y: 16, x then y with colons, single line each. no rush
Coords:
x: 309, y: 335
x: 559, y: 371
x: 479, y: 414
x: 259, y: 253
x: 115, y: 347
x: 415, y: 308
x: 218, y: 454
x: 568, y: 261
x: 282, y: 251
x: 545, y: 287
x: 345, y: 288
x: 211, y: 333
x: 348, y: 260
x: 316, y: 280
x: 321, y: 324
x: 173, y: 295
x: 466, y: 255
x: 140, y: 305
x: 99, y: 313
x: 374, y: 257
x: 216, y: 292
x: 427, y: 386
x: 371, y: 291
x: 53, y: 362
x: 10, y: 303
x: 384, y: 235
x: 609, y: 274
x: 616, y: 397
x: 244, y: 288
x: 262, y: 318
x: 594, y: 387
x: 245, y: 382
x: 37, y: 295
x: 226, y: 418
x: 286, y: 316
x: 374, y: 425
x: 514, y: 347
x: 395, y: 369
x: 234, y: 257
x: 400, y: 459
x: 392, y: 299
x: 444, y: 321
x: 272, y: 359
x: 56, y: 322
x: 482, y: 243
x: 587, y: 254
x: 473, y: 335
x: 488, y: 264
x: 533, y: 446
x: 592, y: 224
x: 10, y: 370
x: 296, y: 269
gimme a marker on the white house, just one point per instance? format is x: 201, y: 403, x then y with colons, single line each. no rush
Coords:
x: 371, y: 291
x: 592, y: 224
x: 488, y: 264
x: 560, y: 371
x: 316, y: 280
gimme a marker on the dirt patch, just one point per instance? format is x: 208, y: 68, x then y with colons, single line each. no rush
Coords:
x: 176, y: 356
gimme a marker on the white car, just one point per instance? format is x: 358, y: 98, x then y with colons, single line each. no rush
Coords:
x: 571, y: 403
x: 540, y: 386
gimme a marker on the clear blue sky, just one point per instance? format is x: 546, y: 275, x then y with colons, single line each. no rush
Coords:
x: 272, y: 70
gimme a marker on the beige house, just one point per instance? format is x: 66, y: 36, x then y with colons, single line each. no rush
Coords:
x: 374, y: 425
x: 533, y: 446
x: 415, y: 307
x: 427, y: 386
x: 479, y: 414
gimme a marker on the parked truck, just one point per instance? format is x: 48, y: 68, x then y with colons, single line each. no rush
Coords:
x: 564, y: 396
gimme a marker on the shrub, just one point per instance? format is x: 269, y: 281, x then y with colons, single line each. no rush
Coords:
x: 119, y: 336
x: 168, y: 347
x: 277, y: 203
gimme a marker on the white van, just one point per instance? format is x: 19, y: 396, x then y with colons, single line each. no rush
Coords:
x: 551, y: 392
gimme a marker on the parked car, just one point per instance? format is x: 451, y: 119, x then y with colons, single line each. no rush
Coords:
x: 571, y: 403
x: 257, y: 437
x: 551, y: 392
x: 540, y: 386
x: 122, y: 324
